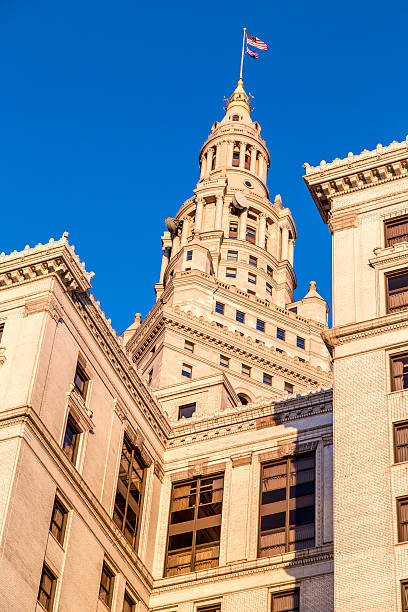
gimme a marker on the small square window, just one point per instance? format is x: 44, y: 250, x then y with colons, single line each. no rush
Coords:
x: 219, y: 307
x: 129, y: 605
x: 232, y: 255
x: 58, y: 521
x: 267, y: 379
x: 286, y: 602
x: 46, y: 592
x: 224, y: 361
x: 71, y: 439
x: 187, y: 410
x: 260, y: 325
x: 269, y: 270
x: 250, y: 292
x: 231, y: 273
x: 269, y: 288
x: 81, y: 380
x: 401, y: 442
x: 240, y: 316
x: 300, y: 342
x: 246, y: 370
x: 253, y: 261
x: 106, y: 586
x: 252, y: 278
x: 288, y: 387
x: 280, y: 333
x: 189, y: 255
x: 399, y: 372
x: 186, y: 370
x: 189, y: 346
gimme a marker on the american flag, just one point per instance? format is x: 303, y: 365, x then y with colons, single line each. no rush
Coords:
x: 256, y: 42
x: 252, y: 53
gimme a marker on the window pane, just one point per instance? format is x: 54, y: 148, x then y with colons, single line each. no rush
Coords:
x: 286, y: 602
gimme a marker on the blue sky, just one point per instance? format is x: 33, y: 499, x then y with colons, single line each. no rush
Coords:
x: 104, y: 107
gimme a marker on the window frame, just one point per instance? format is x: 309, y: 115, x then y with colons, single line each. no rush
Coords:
x: 260, y: 325
x: 301, y: 342
x: 240, y: 315
x: 73, y: 423
x: 219, y: 308
x: 54, y: 579
x: 287, y: 384
x: 127, y: 596
x: 404, y: 599
x: 190, y: 405
x: 281, y: 334
x: 81, y: 373
x: 266, y: 376
x: 189, y: 346
x: 60, y: 536
x: 234, y: 255
x: 246, y: 370
x: 294, y: 591
x: 400, y: 500
x: 230, y: 272
x: 393, y: 376
x: 185, y: 372
x: 395, y: 427
x: 189, y: 256
x: 395, y: 221
x: 388, y: 276
x: 252, y: 278
x: 251, y: 260
x: 111, y: 576
x: 226, y: 361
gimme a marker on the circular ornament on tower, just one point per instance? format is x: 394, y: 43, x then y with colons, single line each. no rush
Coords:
x: 240, y: 200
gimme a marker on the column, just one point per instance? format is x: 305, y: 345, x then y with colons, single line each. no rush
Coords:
x: 176, y: 245
x: 217, y: 156
x: 242, y: 147
x: 230, y: 151
x: 203, y: 166
x: 262, y: 230
x: 265, y: 170
x: 253, y: 160
x: 285, y: 242
x: 243, y: 224
x: 184, y: 232
x: 210, y: 154
x: 291, y: 250
x: 199, y: 215
x: 219, y: 207
x: 261, y: 167
x: 165, y: 262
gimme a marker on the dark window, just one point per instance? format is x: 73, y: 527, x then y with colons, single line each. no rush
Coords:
x: 247, y: 161
x: 235, y: 158
x: 252, y: 261
x: 268, y: 288
x: 288, y: 387
x: 150, y: 376
x: 186, y: 370
x: 402, y: 519
x: 278, y: 350
x: 399, y: 372
x: 231, y: 273
x: 243, y: 399
x: 233, y: 230
x: 235, y: 117
x: 1, y: 331
x: 129, y: 492
x: 269, y: 270
x: 397, y: 292
x: 267, y: 379
x: 287, y: 513
x: 404, y: 595
x: 128, y: 604
x: 153, y: 350
x: 401, y: 442
x: 46, y: 591
x: 71, y: 439
x: 246, y: 370
x: 251, y: 292
x: 300, y: 342
x: 240, y: 316
x: 396, y: 231
x: 251, y: 234
x: 216, y: 608
x: 280, y: 333
x: 214, y: 160
x: 195, y: 525
x: 248, y: 184
x: 81, y: 380
x: 189, y: 346
x: 189, y: 255
x: 286, y: 602
x: 224, y: 361
x: 293, y: 309
x: 219, y: 307
x: 260, y: 325
x: 58, y: 521
x: 251, y: 278
x: 106, y: 586
x: 232, y: 255
x: 252, y: 216
x: 187, y: 410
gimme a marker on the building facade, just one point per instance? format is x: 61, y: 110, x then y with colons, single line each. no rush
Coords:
x: 187, y: 464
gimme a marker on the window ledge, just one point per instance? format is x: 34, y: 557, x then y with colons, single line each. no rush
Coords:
x: 384, y: 256
x: 79, y: 409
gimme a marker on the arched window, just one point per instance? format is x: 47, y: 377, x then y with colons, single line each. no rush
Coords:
x: 235, y: 117
x: 247, y: 158
x: 214, y: 159
x: 244, y: 399
x: 235, y: 156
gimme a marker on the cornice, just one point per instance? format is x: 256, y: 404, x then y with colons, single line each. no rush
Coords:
x: 365, y: 329
x: 397, y: 254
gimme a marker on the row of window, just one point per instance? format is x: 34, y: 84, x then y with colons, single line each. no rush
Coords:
x: 252, y: 260
x: 250, y: 232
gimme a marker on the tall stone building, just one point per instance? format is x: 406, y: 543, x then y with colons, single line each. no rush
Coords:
x: 186, y: 465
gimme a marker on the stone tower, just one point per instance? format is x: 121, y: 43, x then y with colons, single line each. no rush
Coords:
x: 225, y: 330
x: 363, y: 198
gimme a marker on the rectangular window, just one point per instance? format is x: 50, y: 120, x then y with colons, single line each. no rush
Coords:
x: 150, y: 376
x: 250, y: 292
x: 253, y: 261
x: 267, y: 379
x: 233, y: 230
x: 404, y: 595
x: 58, y: 521
x: 280, y: 333
x: 219, y: 307
x: 231, y: 273
x: 399, y: 372
x: 269, y: 270
x: 224, y: 361
x: 402, y: 519
x: 46, y: 592
x: 1, y: 330
x: 252, y: 216
x: 300, y: 342
x: 106, y: 586
x: 288, y: 387
x: 195, y: 525
x: 269, y: 288
x: 153, y: 350
x: 81, y: 380
x: 251, y: 235
x: 401, y: 442
x: 260, y: 325
x: 246, y: 370
x: 187, y: 410
x: 240, y: 316
x: 129, y: 605
x: 286, y: 602
x: 216, y: 608
x: 251, y: 278
x: 189, y: 255
x: 396, y: 231
x: 235, y: 159
x: 397, y: 292
x: 189, y: 346
x: 287, y: 515
x: 186, y: 370
x: 129, y: 492
x: 71, y: 439
x: 232, y: 255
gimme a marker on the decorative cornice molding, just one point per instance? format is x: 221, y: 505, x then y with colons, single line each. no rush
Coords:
x: 288, y: 448
x: 241, y: 459
x: 358, y: 331
x: 46, y: 303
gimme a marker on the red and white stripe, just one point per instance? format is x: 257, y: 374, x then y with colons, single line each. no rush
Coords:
x: 256, y: 42
x: 252, y: 53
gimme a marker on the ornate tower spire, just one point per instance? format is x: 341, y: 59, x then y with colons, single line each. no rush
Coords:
x: 239, y: 99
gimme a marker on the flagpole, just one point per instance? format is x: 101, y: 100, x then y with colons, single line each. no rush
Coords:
x: 242, y: 55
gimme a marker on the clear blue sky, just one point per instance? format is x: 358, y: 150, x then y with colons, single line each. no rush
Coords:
x: 104, y: 107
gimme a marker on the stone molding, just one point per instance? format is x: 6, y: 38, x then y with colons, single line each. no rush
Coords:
x: 77, y: 407
x: 158, y: 470
x: 343, y: 221
x: 46, y: 303
x: 390, y: 255
x: 241, y: 459
x: 200, y: 467
x: 358, y: 331
x: 288, y: 448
